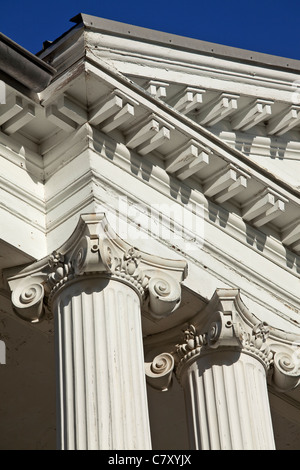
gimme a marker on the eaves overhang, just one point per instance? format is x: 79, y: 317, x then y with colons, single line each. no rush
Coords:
x: 147, y: 128
x: 19, y: 67
x: 208, y: 139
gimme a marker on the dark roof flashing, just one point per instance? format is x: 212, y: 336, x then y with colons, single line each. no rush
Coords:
x: 23, y: 67
x: 32, y: 73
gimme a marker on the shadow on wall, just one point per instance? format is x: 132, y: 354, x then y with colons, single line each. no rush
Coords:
x: 181, y: 192
x: 292, y: 260
x: 255, y: 238
x: 218, y: 214
x: 244, y: 143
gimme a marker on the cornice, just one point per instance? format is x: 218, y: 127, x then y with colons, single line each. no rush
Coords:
x: 32, y: 199
x: 263, y: 145
x: 160, y: 181
x: 181, y: 130
x: 123, y: 53
x: 208, y: 139
x: 64, y: 51
x: 22, y: 153
x: 173, y: 41
x: 186, y: 126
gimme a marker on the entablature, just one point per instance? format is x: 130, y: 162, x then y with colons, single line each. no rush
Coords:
x: 188, y: 152
x: 152, y: 130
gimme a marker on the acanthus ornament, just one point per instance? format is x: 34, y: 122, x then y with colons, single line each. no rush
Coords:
x: 194, y: 344
x: 127, y: 268
x: 61, y: 271
x: 255, y: 342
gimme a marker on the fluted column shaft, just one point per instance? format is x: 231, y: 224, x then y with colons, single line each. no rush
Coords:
x: 227, y: 402
x: 95, y: 285
x: 102, y: 401
x: 223, y: 361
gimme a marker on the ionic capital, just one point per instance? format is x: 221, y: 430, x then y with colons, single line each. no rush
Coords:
x: 226, y: 324
x: 95, y: 249
x: 222, y: 333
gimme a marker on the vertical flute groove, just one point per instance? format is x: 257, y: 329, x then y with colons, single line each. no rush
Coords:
x: 204, y: 439
x: 243, y: 404
x: 195, y: 408
x: 114, y: 368
x: 89, y: 367
x: 254, y: 418
x: 129, y: 353
x: 104, y: 403
x: 233, y: 402
x: 69, y: 378
x: 120, y: 379
x: 222, y: 407
x: 192, y: 399
x: 143, y: 429
x: 78, y: 355
x: 210, y: 400
x: 227, y: 403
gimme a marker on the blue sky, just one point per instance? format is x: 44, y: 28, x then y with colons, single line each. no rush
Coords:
x: 270, y: 26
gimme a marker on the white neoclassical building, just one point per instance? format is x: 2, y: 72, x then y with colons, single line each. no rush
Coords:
x: 149, y: 243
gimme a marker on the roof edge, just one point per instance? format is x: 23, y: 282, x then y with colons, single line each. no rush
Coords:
x: 186, y: 43
x: 24, y: 67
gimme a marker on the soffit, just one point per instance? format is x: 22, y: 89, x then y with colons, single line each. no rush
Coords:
x: 252, y: 105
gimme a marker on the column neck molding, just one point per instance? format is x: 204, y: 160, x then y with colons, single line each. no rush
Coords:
x: 226, y: 324
x: 95, y: 249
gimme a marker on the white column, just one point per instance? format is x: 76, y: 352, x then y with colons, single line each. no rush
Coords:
x: 95, y: 286
x: 227, y: 403
x: 225, y: 361
x: 101, y: 381
x: 222, y: 365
